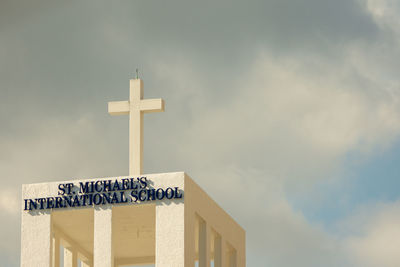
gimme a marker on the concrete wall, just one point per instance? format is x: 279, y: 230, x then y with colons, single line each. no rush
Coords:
x: 216, y: 228
x: 36, y: 230
x: 175, y: 228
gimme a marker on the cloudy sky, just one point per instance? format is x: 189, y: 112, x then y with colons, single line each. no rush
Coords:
x: 287, y: 112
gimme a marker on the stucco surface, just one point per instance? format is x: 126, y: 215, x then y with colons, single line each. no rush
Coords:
x: 167, y: 229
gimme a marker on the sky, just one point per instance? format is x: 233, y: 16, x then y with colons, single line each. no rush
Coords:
x: 285, y: 111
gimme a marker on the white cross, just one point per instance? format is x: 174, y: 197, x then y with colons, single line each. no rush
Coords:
x: 135, y: 107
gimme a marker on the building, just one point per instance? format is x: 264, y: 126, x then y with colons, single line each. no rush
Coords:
x: 164, y: 219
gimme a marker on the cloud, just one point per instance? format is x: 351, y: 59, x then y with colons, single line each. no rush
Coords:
x: 263, y: 100
x: 277, y: 235
x: 377, y: 234
x: 293, y: 117
x: 9, y: 201
x: 286, y: 123
x: 385, y: 13
x: 10, y: 216
x: 57, y: 147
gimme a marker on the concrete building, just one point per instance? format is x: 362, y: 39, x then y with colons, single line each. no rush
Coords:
x: 164, y: 219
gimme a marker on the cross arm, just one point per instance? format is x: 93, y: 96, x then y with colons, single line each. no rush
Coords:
x: 152, y: 105
x: 118, y: 107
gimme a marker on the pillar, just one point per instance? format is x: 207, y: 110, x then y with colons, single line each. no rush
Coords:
x: 56, y: 251
x: 190, y: 248
x: 170, y: 234
x: 232, y: 257
x: 74, y: 258
x: 36, y: 239
x: 204, y: 244
x: 70, y: 257
x: 219, y: 252
x: 103, y: 255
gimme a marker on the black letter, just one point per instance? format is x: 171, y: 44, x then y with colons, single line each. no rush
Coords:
x: 125, y: 184
x: 123, y: 197
x: 143, y: 181
x: 140, y: 195
x: 59, y: 203
x: 69, y: 186
x: 32, y: 203
x: 107, y: 185
x: 177, y: 195
x: 134, y: 195
x: 61, y: 188
x: 95, y: 200
x: 96, y: 188
x: 162, y: 193
x: 116, y: 186
x: 50, y: 203
x: 169, y: 193
x: 84, y: 188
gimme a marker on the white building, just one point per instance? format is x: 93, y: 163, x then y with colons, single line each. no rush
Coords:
x: 163, y: 219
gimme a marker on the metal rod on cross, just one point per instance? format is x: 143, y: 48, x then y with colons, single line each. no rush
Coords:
x: 135, y: 108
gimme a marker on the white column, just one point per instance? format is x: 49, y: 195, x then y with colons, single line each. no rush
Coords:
x: 219, y: 252
x: 241, y: 256
x: 70, y: 257
x: 103, y: 255
x: 68, y: 262
x: 74, y: 258
x: 170, y: 249
x: 232, y: 258
x: 56, y: 251
x: 204, y: 244
x: 190, y: 246
x: 36, y: 239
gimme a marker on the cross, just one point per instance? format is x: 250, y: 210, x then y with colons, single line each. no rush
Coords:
x: 135, y: 107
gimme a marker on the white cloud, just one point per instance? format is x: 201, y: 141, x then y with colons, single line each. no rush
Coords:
x: 283, y: 123
x: 289, y: 122
x: 385, y: 13
x: 9, y: 201
x: 294, y: 118
x: 377, y: 240
x: 57, y: 149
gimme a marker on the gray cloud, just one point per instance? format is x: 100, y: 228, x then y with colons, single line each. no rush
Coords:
x: 261, y: 96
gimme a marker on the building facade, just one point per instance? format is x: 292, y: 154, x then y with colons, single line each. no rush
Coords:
x: 162, y: 219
